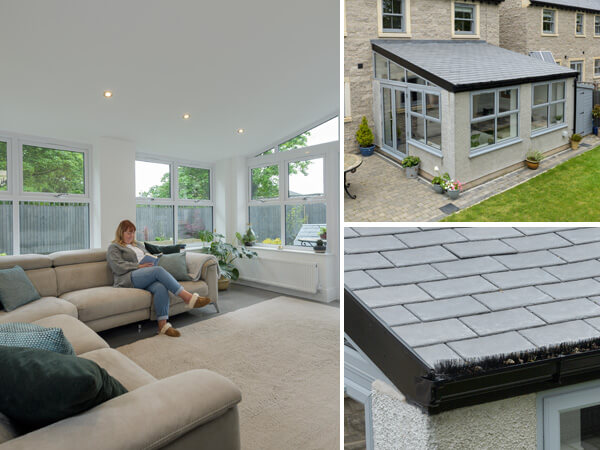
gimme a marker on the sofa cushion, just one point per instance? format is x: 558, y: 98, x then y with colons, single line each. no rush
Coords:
x: 31, y: 335
x: 175, y: 264
x: 83, y: 276
x: 27, y: 262
x: 99, y: 302
x: 16, y: 289
x: 120, y: 367
x: 44, y: 307
x: 41, y: 387
x: 81, y: 337
x: 164, y: 249
x: 44, y: 281
x: 69, y: 257
x: 8, y: 429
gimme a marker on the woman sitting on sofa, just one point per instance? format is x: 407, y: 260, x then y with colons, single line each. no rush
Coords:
x: 124, y: 256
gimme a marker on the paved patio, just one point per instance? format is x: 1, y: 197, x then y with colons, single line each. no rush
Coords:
x: 384, y: 194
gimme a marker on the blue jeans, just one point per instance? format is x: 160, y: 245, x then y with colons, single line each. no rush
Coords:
x: 158, y: 281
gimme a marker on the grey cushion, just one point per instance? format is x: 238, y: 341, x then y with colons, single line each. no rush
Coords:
x: 16, y: 289
x: 18, y: 334
x: 81, y: 337
x: 175, y: 264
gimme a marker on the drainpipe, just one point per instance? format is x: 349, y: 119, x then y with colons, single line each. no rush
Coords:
x: 574, y: 106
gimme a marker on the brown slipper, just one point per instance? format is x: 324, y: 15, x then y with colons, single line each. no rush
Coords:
x: 198, y: 302
x: 168, y: 330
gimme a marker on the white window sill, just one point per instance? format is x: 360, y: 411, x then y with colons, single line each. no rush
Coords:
x: 307, y: 250
x: 426, y: 148
x: 494, y: 147
x: 548, y: 130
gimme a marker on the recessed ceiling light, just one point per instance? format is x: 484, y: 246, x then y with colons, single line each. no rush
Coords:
x: 240, y: 130
x: 186, y: 116
x: 107, y: 94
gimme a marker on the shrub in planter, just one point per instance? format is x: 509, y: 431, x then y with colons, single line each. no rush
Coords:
x: 364, y: 137
x: 533, y: 158
x: 575, y: 140
x: 411, y: 166
x: 453, y: 188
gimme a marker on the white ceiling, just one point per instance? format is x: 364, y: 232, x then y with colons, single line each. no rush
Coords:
x: 270, y: 67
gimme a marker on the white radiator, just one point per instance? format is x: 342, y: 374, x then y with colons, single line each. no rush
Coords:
x: 299, y: 276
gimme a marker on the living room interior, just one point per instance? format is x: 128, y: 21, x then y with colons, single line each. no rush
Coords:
x: 186, y: 118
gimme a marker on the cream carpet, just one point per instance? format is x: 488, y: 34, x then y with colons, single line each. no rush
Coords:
x: 284, y: 356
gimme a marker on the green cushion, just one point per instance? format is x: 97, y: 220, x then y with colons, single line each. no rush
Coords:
x: 40, y: 387
x: 16, y: 289
x: 175, y: 264
x: 164, y: 249
x: 30, y: 335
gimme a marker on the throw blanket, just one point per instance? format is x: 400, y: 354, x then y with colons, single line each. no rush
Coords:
x: 198, y: 264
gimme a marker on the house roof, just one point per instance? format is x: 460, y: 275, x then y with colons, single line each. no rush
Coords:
x: 467, y: 294
x: 459, y: 66
x: 578, y: 5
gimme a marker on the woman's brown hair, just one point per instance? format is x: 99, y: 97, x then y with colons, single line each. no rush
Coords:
x: 125, y: 225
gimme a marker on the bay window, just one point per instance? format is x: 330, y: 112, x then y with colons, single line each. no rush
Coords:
x: 494, y: 118
x: 548, y: 106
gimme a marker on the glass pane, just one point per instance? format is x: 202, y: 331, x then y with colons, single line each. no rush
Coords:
x: 483, y: 104
x: 548, y: 21
x: 152, y: 180
x: 265, y: 182
x: 539, y: 118
x: 396, y: 72
x: 326, y: 132
x: 266, y: 223
x: 381, y: 67
x: 47, y: 227
x: 580, y: 428
x: 400, y: 121
x: 463, y: 12
x: 597, y: 25
x: 508, y: 100
x: 397, y: 23
x: 416, y: 101
x: 303, y: 223
x: 305, y: 178
x: 3, y: 170
x: 387, y: 6
x: 191, y: 220
x: 194, y: 183
x: 579, y: 25
x: 397, y: 6
x: 508, y: 126
x: 154, y: 223
x: 417, y: 128
x: 463, y: 26
x: 557, y: 113
x: 597, y: 67
x: 558, y: 90
x: 6, y: 234
x: 51, y: 170
x: 414, y: 78
x: 432, y: 105
x: 268, y: 152
x: 296, y: 142
x: 540, y: 94
x: 482, y: 133
x: 387, y: 117
x: 434, y: 134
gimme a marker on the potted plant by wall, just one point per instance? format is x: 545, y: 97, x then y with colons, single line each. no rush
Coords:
x: 453, y: 188
x: 365, y: 138
x: 438, y: 181
x: 323, y: 232
x: 533, y: 158
x: 248, y: 238
x: 411, y: 166
x: 226, y: 253
x: 575, y: 140
x: 320, y: 247
x: 596, y: 116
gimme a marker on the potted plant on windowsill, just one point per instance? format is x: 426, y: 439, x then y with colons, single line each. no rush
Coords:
x: 365, y: 138
x: 575, y: 140
x: 533, y: 158
x: 453, y: 188
x: 248, y: 238
x: 225, y: 253
x: 320, y: 247
x: 411, y: 166
x: 323, y: 232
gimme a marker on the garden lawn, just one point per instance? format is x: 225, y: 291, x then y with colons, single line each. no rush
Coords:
x: 570, y: 192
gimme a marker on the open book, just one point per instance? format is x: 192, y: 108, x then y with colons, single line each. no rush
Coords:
x: 149, y: 259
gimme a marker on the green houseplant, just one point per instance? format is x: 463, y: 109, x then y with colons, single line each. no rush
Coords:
x: 365, y: 138
x: 411, y: 166
x: 225, y: 253
x: 533, y: 158
x: 323, y: 232
x: 248, y: 238
x: 575, y: 140
x: 438, y: 181
x: 320, y: 247
x: 596, y: 116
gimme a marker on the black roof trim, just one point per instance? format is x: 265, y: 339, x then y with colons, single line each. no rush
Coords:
x: 542, y: 3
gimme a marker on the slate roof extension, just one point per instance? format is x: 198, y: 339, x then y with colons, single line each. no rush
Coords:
x: 592, y: 6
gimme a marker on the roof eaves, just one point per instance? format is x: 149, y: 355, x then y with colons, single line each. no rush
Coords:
x: 562, y: 6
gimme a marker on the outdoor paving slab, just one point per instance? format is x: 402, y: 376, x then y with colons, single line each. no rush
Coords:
x: 479, y: 248
x: 433, y: 332
x: 497, y: 322
x: 432, y: 354
x: 385, y: 296
x: 495, y: 344
x: 359, y: 280
x: 349, y: 232
x: 579, y: 252
x: 375, y: 231
x: 471, y: 266
x: 571, y: 289
x: 405, y: 275
x: 426, y: 238
x: 537, y: 242
x: 529, y: 260
x: 529, y: 231
x: 582, y: 236
x: 395, y: 315
x: 364, y: 261
x: 566, y: 310
x: 412, y: 256
x: 513, y: 298
x: 483, y: 233
x: 519, y: 278
x: 576, y: 271
x: 445, y: 309
x: 371, y: 244
x: 457, y: 287
x: 561, y: 332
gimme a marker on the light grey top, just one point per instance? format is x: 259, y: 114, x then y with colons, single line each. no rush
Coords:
x: 122, y: 262
x: 463, y: 293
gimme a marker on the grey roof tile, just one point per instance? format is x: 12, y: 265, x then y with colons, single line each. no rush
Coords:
x: 444, y: 309
x: 513, y: 298
x: 364, y: 261
x: 375, y: 231
x: 457, y: 286
x: 428, y: 238
x: 590, y: 5
x: 395, y: 315
x: 484, y: 233
x: 405, y: 275
x: 575, y: 271
x: 571, y: 289
x: 560, y: 332
x: 529, y: 260
x: 426, y: 333
x: 519, y: 278
x: 529, y: 231
x: 537, y: 242
x: 359, y: 280
x: 433, y: 354
x: 566, y: 310
x: 392, y: 295
x: 583, y: 235
x: 595, y: 322
x: 371, y: 244
x: 491, y: 345
x: 470, y: 266
x: 349, y: 232
x: 479, y: 248
x: 414, y: 256
x: 579, y: 252
x: 497, y: 322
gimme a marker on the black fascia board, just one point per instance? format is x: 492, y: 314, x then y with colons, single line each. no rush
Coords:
x: 566, y: 7
x: 447, y: 85
x: 433, y: 393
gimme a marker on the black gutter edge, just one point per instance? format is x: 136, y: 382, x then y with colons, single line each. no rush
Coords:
x: 575, y: 105
x: 566, y: 7
x: 465, y: 87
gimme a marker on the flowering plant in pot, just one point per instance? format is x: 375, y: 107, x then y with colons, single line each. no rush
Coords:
x: 365, y: 138
x: 575, y: 140
x: 438, y: 181
x: 533, y: 158
x: 323, y: 232
x: 411, y: 166
x: 453, y: 188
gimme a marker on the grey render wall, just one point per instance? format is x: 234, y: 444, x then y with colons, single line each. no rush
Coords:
x: 521, y: 31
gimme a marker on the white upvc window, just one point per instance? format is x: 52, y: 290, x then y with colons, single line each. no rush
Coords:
x: 45, y: 200
x: 393, y: 16
x: 580, y: 24
x: 464, y: 18
x: 596, y: 67
x: 597, y: 26
x: 425, y: 119
x: 549, y: 21
x: 547, y: 105
x: 173, y: 200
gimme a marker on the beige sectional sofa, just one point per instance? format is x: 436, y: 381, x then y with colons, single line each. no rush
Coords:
x: 195, y: 409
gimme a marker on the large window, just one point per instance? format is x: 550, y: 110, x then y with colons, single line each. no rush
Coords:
x: 392, y: 16
x: 596, y: 25
x: 596, y: 67
x: 578, y: 66
x: 548, y: 105
x: 580, y: 24
x: 44, y: 196
x: 549, y: 21
x: 494, y: 117
x: 173, y: 201
x: 464, y: 19
x: 425, y: 123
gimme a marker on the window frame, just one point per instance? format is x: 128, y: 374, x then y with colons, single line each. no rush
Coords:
x: 548, y: 105
x: 554, y: 31
x: 385, y: 32
x: 423, y: 115
x: 577, y: 16
x: 475, y: 20
x: 582, y: 73
x: 597, y: 25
